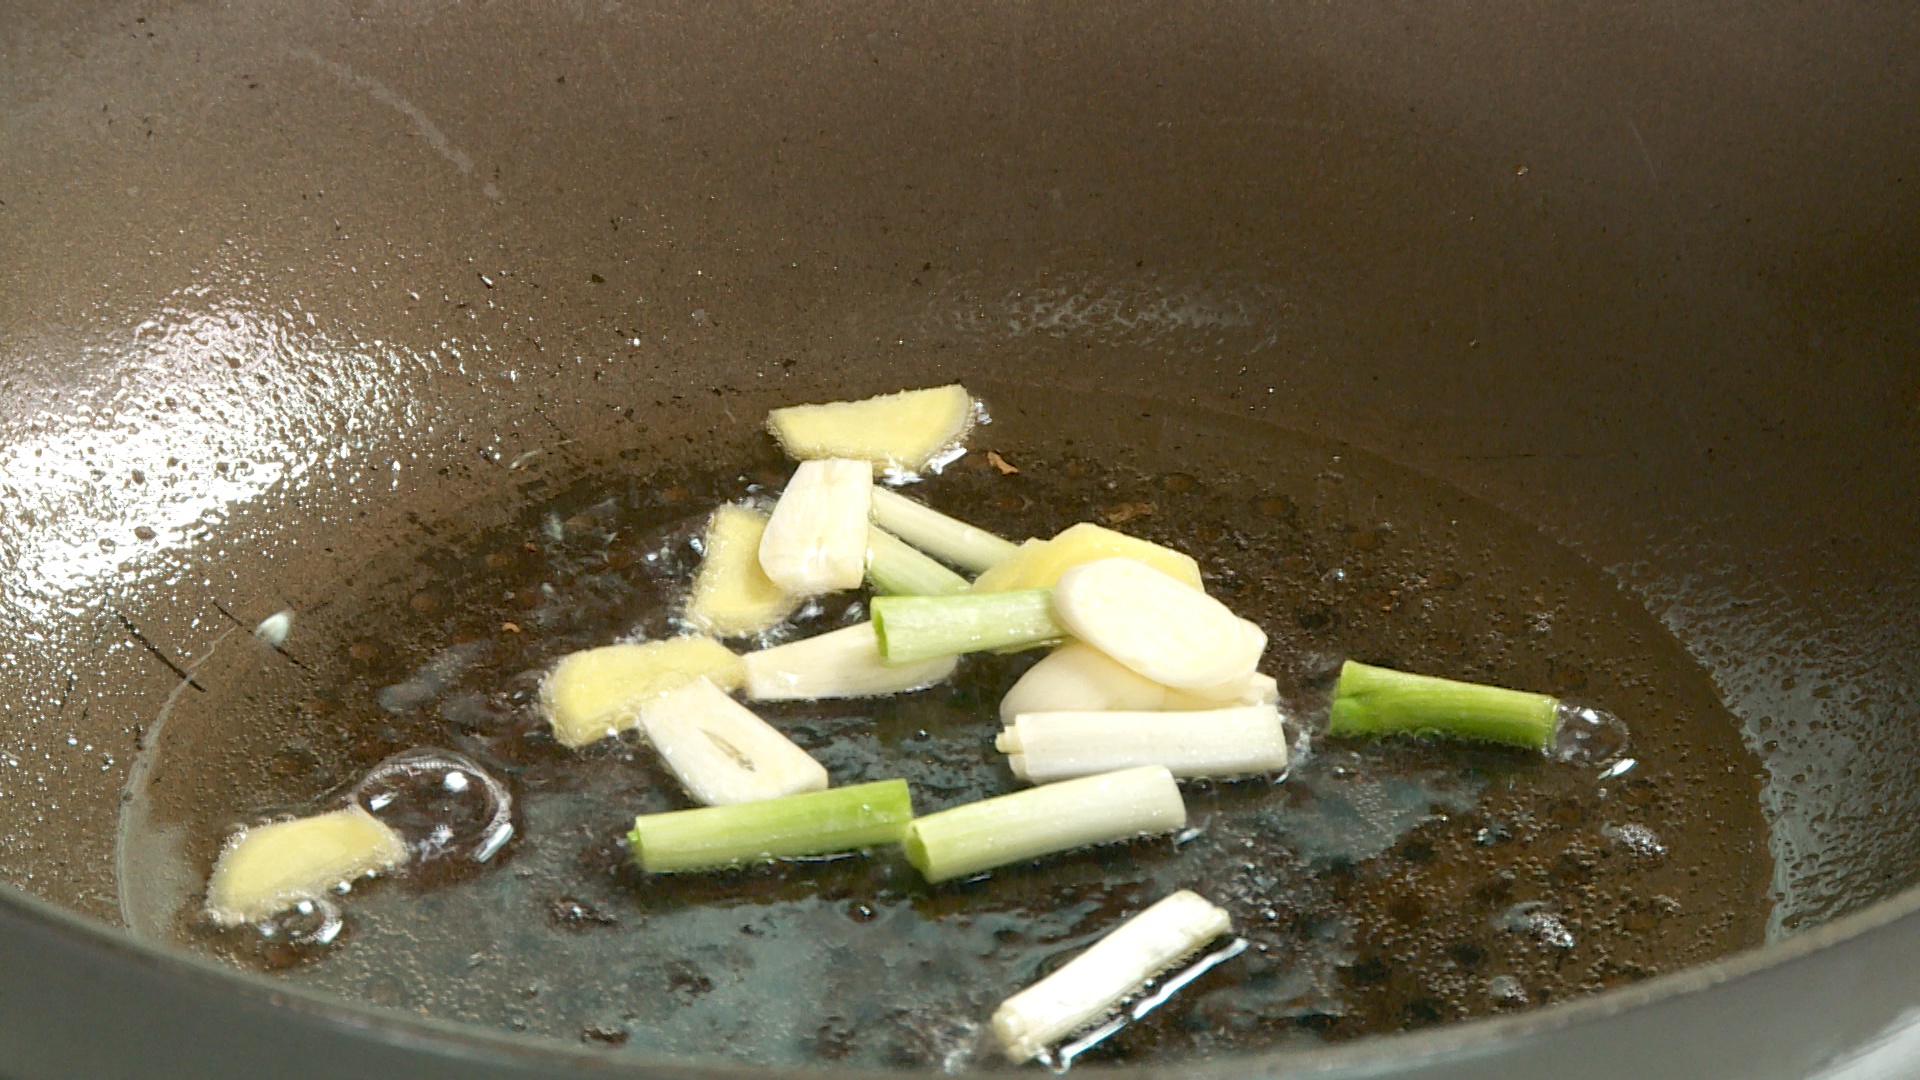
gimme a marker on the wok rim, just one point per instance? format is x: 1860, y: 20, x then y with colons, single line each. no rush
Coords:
x: 454, y: 1040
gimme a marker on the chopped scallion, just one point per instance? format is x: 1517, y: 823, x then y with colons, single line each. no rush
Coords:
x: 1215, y: 742
x: 954, y: 542
x: 922, y: 627
x: 843, y: 663
x: 1076, y: 677
x: 896, y: 567
x: 1084, y: 988
x: 721, y: 752
x: 1380, y: 701
x: 817, y: 823
x: 1044, y: 820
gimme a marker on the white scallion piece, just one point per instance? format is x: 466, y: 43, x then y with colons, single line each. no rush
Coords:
x: 843, y: 663
x: 594, y: 693
x: 897, y: 568
x: 1041, y: 821
x: 1048, y: 746
x: 816, y: 541
x: 1117, y: 965
x: 732, y: 596
x: 914, y: 628
x: 1157, y: 625
x: 904, y: 431
x: 721, y: 752
x: 267, y: 870
x: 951, y: 541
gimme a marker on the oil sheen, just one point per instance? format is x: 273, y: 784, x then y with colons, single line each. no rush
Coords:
x: 1382, y: 886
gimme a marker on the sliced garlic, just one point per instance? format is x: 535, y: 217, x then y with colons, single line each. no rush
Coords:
x: 816, y: 541
x: 1156, y: 625
x: 1076, y: 677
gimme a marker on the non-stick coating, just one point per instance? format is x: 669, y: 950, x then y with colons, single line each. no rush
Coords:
x: 284, y: 281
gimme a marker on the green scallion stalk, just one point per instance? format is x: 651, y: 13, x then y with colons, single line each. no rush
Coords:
x: 1380, y: 701
x: 1044, y: 820
x: 956, y: 542
x: 899, y: 569
x: 923, y: 627
x: 817, y: 823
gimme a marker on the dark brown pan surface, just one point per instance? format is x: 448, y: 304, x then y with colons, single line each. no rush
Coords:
x: 1385, y: 886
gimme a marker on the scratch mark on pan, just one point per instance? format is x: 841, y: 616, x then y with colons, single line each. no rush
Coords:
x: 135, y: 633
x: 138, y: 779
x: 231, y: 617
x: 521, y: 460
x: 385, y: 95
x: 1646, y: 157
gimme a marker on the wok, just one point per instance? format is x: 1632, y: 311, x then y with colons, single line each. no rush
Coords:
x: 286, y: 284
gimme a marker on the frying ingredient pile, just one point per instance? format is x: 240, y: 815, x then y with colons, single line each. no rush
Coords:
x: 1149, y: 681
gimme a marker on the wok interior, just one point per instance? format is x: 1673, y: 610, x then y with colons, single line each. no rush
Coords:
x: 1381, y: 887
x: 290, y: 287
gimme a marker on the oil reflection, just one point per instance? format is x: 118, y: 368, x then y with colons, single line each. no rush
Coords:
x: 212, y: 406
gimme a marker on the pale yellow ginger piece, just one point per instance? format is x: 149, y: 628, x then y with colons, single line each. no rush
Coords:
x: 267, y: 870
x: 599, y: 692
x: 904, y: 431
x: 1010, y: 572
x: 1039, y: 563
x: 732, y: 595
